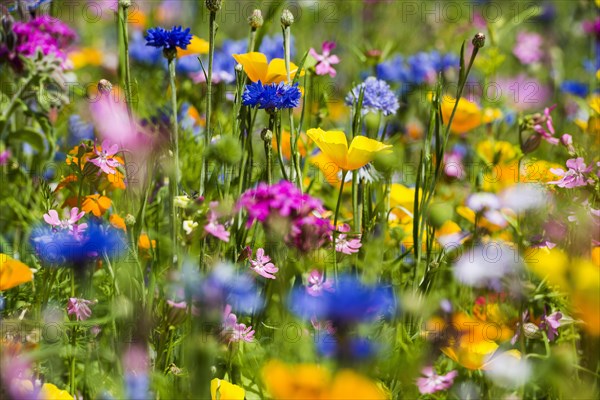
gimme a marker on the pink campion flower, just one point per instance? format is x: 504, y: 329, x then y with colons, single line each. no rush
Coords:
x: 551, y: 323
x: 433, y: 382
x: 105, y: 159
x: 234, y: 332
x: 69, y: 223
x: 80, y: 308
x: 345, y: 245
x: 263, y: 265
x: 213, y: 227
x: 453, y: 165
x: 547, y: 135
x: 4, y: 156
x: 317, y: 283
x: 528, y: 48
x: 325, y: 60
x: 567, y: 141
x: 575, y: 176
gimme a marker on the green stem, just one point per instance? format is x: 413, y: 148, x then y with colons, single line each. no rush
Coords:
x: 124, y: 37
x: 174, y: 180
x: 208, y: 134
x: 335, y: 221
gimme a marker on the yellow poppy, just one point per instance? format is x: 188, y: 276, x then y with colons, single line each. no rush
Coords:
x: 468, y: 115
x: 335, y: 146
x: 86, y: 56
x: 350, y: 385
x: 48, y: 391
x: 226, y: 390
x: 144, y: 242
x: 197, y: 46
x: 285, y: 144
x: 402, y: 199
x: 329, y: 169
x: 13, y: 272
x: 96, y: 204
x: 256, y: 67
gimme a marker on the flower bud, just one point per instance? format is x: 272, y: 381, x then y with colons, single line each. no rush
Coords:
x: 104, y: 86
x: 125, y: 3
x: 479, y: 40
x: 531, y: 330
x: 287, y: 18
x: 214, y: 5
x: 129, y: 220
x: 567, y: 141
x: 239, y: 67
x: 266, y: 135
x: 7, y: 23
x: 531, y: 144
x: 255, y: 20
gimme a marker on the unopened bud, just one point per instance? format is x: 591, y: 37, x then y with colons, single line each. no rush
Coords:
x: 255, y: 20
x: 531, y: 144
x: 531, y: 330
x: 125, y: 3
x: 214, y: 5
x: 104, y: 86
x: 287, y: 18
x: 479, y: 40
x: 129, y: 220
x: 266, y: 135
x: 7, y: 23
x: 239, y: 67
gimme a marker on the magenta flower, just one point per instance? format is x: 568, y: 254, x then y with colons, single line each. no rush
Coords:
x: 317, y: 283
x: 69, y: 223
x: 325, y: 60
x: 432, y: 382
x: 528, y: 48
x: 262, y: 265
x: 4, y: 156
x: 234, y: 332
x: 575, y: 176
x: 345, y: 245
x: 80, y: 308
x: 105, y: 159
x: 548, y: 135
x: 551, y: 323
x: 213, y: 227
x: 453, y: 165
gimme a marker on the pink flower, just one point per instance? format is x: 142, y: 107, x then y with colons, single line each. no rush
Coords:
x: 317, y: 283
x: 262, y: 265
x: 214, y: 227
x: 453, y: 165
x: 234, y: 332
x: 433, y: 382
x: 345, y: 245
x: 528, y: 48
x: 548, y: 135
x: 325, y: 60
x: 551, y: 323
x: 4, y: 156
x: 80, y: 308
x: 105, y: 159
x: 69, y: 223
x: 575, y: 176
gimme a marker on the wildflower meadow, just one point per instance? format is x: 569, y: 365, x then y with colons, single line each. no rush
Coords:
x: 278, y: 199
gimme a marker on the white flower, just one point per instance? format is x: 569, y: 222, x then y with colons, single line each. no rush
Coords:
x: 486, y: 264
x: 508, y: 370
x: 189, y: 226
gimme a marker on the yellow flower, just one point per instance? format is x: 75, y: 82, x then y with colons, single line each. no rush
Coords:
x: 48, y: 391
x: 13, y: 272
x: 226, y: 390
x: 468, y: 115
x: 350, y: 385
x: 96, y: 204
x: 196, y: 46
x: 402, y: 200
x: 144, y: 242
x: 335, y: 146
x: 86, y: 56
x: 118, y: 222
x: 256, y: 67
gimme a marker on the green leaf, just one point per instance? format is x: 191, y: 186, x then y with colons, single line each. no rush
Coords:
x: 32, y: 137
x: 461, y: 73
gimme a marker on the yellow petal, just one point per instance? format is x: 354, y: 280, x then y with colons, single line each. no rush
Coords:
x: 550, y: 264
x: 362, y: 151
x: 332, y: 143
x: 328, y: 168
x: 226, y: 390
x: 255, y: 65
x: 51, y: 392
x: 276, y: 71
x: 96, y: 204
x: 197, y: 46
x: 402, y: 196
x: 13, y: 272
x: 350, y: 385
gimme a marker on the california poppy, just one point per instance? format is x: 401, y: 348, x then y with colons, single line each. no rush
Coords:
x: 256, y: 67
x: 96, y: 204
x: 13, y: 272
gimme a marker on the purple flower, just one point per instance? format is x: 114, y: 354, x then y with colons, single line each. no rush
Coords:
x: 528, y: 48
x: 575, y: 176
x: 263, y: 265
x: 4, y: 156
x: 432, y: 382
x: 345, y: 245
x: 551, y: 323
x: 80, y: 308
x: 317, y: 283
x: 213, y: 226
x: 548, y: 135
x: 69, y: 223
x: 377, y: 97
x: 234, y: 332
x: 325, y: 60
x: 105, y: 159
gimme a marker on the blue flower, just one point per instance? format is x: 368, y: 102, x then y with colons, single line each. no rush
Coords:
x: 271, y: 96
x: 79, y: 130
x: 356, y: 348
x: 188, y: 64
x: 575, y: 88
x: 138, y: 50
x: 378, y: 97
x: 168, y: 40
x: 351, y: 302
x: 272, y: 47
x: 60, y: 247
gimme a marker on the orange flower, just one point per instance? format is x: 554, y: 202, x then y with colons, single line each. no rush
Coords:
x: 96, y: 204
x: 144, y: 242
x: 117, y: 222
x: 13, y: 272
x: 285, y: 144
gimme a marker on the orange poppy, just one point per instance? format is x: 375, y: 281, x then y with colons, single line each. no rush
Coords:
x: 96, y: 204
x: 13, y: 272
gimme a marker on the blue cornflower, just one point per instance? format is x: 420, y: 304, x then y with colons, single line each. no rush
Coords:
x: 356, y: 348
x: 138, y: 50
x: 350, y: 302
x: 79, y: 130
x: 575, y: 88
x: 168, y: 40
x: 378, y: 97
x: 272, y: 47
x: 65, y: 247
x: 272, y: 96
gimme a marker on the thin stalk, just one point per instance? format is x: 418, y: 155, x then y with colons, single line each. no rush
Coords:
x: 124, y: 57
x: 335, y: 221
x: 208, y: 134
x: 174, y: 179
